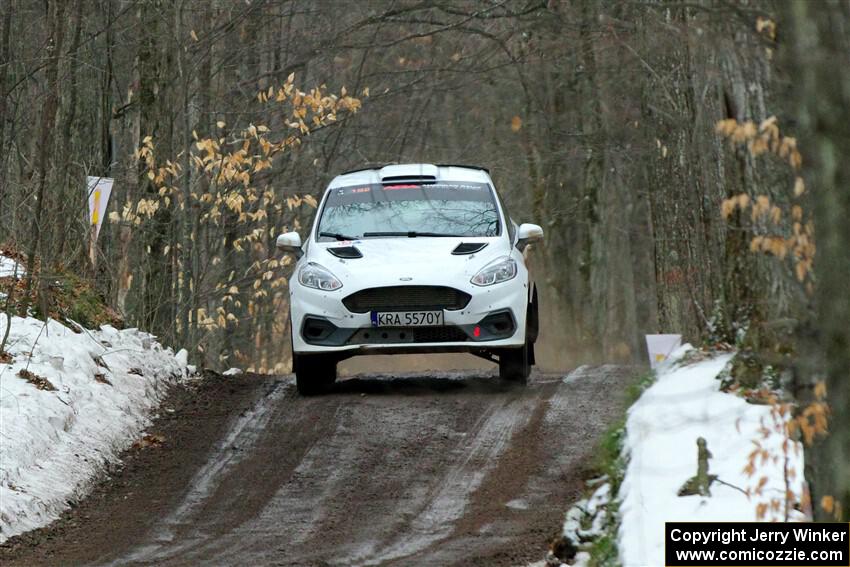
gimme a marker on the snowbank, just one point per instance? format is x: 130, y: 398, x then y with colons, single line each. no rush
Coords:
x: 54, y: 442
x: 661, y: 433
x: 9, y: 267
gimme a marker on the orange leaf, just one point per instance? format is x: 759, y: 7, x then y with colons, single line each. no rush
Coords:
x: 828, y: 504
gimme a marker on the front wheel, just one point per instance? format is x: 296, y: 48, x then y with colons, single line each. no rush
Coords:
x: 514, y: 364
x: 314, y: 373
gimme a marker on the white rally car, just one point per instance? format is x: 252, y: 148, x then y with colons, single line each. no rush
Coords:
x: 414, y: 258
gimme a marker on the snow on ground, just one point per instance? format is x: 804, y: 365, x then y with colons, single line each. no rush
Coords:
x: 8, y: 268
x: 584, y: 522
x: 661, y: 433
x: 53, y: 443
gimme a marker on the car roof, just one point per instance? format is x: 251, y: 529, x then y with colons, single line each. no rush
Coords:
x: 412, y: 172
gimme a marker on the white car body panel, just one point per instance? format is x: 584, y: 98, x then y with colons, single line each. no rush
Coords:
x: 419, y: 261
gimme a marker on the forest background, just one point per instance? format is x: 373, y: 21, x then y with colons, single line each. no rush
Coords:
x: 683, y: 158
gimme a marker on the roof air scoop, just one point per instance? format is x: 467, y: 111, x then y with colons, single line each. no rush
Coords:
x: 468, y: 248
x: 418, y: 174
x: 412, y: 179
x: 346, y: 252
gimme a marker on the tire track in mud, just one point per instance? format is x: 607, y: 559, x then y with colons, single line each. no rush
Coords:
x: 195, y: 520
x: 450, y: 468
x: 489, y: 438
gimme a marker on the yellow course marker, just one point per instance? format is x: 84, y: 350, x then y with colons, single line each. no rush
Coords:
x: 95, y: 214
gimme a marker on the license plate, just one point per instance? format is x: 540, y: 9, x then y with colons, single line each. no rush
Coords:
x: 407, y: 318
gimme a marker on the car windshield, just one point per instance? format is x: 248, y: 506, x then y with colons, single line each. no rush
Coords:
x: 436, y: 209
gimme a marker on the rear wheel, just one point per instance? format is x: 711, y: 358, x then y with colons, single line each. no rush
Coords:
x: 314, y: 373
x: 514, y: 364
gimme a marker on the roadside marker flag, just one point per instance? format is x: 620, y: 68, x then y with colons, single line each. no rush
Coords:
x: 660, y: 347
x: 99, y: 190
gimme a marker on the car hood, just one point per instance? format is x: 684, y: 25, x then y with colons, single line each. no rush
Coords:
x: 400, y: 261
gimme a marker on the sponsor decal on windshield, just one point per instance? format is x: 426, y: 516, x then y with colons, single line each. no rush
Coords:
x: 464, y: 186
x: 353, y: 190
x: 395, y: 187
x: 454, y: 186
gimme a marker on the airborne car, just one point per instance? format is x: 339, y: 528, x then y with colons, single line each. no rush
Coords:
x: 414, y: 258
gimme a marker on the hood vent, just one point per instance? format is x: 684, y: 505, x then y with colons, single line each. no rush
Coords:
x: 468, y: 248
x: 346, y: 252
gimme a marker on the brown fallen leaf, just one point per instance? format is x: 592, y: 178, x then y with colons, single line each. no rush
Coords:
x: 149, y: 440
x: 36, y: 380
x: 100, y: 377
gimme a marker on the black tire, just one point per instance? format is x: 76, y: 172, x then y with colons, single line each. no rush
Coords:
x: 514, y: 365
x: 314, y: 374
x: 532, y: 326
x: 532, y: 320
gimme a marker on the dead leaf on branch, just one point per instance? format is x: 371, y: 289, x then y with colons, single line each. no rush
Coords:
x: 516, y: 124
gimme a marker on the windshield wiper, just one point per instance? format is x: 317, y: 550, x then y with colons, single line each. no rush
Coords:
x: 338, y: 236
x: 409, y: 234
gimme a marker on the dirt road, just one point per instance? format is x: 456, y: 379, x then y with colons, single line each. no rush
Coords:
x: 445, y: 469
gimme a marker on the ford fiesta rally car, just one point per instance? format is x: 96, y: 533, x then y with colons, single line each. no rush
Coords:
x: 414, y: 258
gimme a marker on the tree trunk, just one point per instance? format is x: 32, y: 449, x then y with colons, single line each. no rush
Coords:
x: 38, y: 246
x: 4, y: 63
x: 819, y: 50
x: 68, y: 188
x: 128, y: 133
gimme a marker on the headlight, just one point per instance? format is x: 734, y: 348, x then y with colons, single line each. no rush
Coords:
x: 315, y: 276
x: 499, y: 270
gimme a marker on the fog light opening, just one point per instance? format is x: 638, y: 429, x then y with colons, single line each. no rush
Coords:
x: 316, y: 330
x: 494, y: 326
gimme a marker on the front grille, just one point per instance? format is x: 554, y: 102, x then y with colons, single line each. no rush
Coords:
x: 438, y: 335
x: 402, y: 335
x: 406, y: 298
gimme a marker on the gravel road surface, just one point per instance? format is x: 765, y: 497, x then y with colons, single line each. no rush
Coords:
x: 446, y: 468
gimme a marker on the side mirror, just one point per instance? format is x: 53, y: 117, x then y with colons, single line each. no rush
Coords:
x: 528, y: 233
x: 290, y: 242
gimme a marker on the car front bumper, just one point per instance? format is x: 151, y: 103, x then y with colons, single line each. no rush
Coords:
x: 489, y: 310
